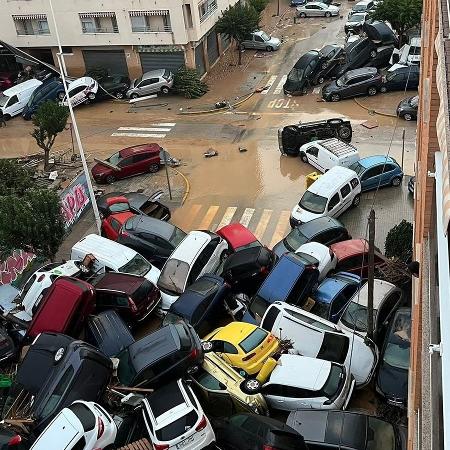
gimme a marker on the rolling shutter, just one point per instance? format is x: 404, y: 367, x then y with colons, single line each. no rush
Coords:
x: 199, y: 61
x: 161, y: 60
x: 213, y: 49
x: 112, y: 60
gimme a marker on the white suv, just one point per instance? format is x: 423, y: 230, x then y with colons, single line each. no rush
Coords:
x: 318, y: 338
x: 174, y: 418
x: 80, y: 426
x: 198, y: 253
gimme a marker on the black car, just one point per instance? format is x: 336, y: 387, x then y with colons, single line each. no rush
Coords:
x: 364, y: 81
x: 152, y: 238
x: 56, y: 371
x: 254, y: 432
x: 355, y: 22
x: 330, y: 56
x: 247, y: 269
x: 139, y: 204
x: 113, y: 85
x: 380, y: 33
x: 50, y: 90
x: 407, y: 108
x: 381, y: 60
x: 302, y: 74
x: 325, y: 230
x: 292, y: 137
x: 343, y: 429
x: 392, y: 378
x: 165, y: 354
x: 202, y: 304
x: 406, y: 77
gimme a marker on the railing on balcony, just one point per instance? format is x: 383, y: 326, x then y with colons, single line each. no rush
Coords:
x: 32, y: 32
x: 146, y: 29
x: 207, y: 9
x: 95, y: 30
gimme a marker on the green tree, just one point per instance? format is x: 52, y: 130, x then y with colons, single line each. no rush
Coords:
x: 399, y: 241
x: 237, y: 22
x: 14, y: 179
x: 50, y: 120
x: 187, y: 82
x: 31, y: 222
x: 401, y: 14
x: 259, y: 5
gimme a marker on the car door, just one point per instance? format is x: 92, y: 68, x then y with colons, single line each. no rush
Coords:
x: 258, y: 42
x: 360, y: 85
x: 389, y: 171
x: 346, y: 198
x: 210, y: 256
x: 386, y: 309
x: 334, y: 206
x: 111, y: 227
x: 14, y: 106
x: 370, y: 178
x: 397, y: 82
x: 141, y: 163
x: 149, y: 86
x: 126, y: 167
x: 312, y: 153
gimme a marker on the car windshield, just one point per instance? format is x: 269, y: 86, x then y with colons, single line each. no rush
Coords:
x: 308, y: 260
x: 296, y: 75
x: 253, y: 340
x: 166, y: 74
x: 414, y: 51
x: 177, y: 236
x: 414, y: 102
x: 115, y: 159
x: 138, y: 265
x: 390, y: 75
x: 177, y: 428
x: 173, y: 277
x: 137, y: 81
x: 332, y: 385
x: 357, y: 17
x: 294, y: 240
x: 125, y: 371
x: 258, y: 306
x: 380, y: 434
x: 265, y: 36
x: 399, y: 342
x: 358, y: 168
x: 355, y: 316
x: 359, y: 8
x: 3, y: 99
x: 313, y: 203
x: 119, y: 207
x: 342, y: 81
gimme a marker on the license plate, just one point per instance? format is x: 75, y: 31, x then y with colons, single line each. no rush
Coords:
x: 187, y: 441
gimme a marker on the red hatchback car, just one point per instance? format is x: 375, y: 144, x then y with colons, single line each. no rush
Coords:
x: 118, y: 213
x: 238, y: 237
x: 353, y: 255
x: 128, y: 162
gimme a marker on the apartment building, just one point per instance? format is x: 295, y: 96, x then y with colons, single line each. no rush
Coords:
x: 124, y: 36
x: 429, y: 396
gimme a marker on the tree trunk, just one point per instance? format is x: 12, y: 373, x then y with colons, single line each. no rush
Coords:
x: 240, y: 53
x: 46, y: 158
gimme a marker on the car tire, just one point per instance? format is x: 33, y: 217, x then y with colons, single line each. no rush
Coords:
x: 269, y: 48
x: 110, y: 179
x: 408, y: 117
x: 134, y: 95
x: 120, y: 95
x: 396, y: 181
x: 153, y: 168
x: 327, y: 14
x: 372, y: 91
x: 165, y: 90
x: 335, y: 97
x: 251, y: 386
x: 344, y: 132
x: 207, y: 346
x: 383, y: 89
x: 302, y: 15
x: 320, y: 80
x: 91, y: 96
x: 6, y: 117
x: 373, y: 53
x: 61, y: 95
x: 224, y: 255
x: 357, y: 200
x: 304, y: 158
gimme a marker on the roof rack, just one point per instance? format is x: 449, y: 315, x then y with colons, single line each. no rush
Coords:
x: 337, y: 147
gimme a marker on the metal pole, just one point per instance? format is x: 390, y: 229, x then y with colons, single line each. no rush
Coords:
x: 370, y: 282
x: 403, y: 146
x: 278, y: 8
x: 167, y: 174
x: 62, y: 68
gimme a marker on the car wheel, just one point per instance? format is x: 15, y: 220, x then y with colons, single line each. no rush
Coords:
x: 373, y: 53
x: 153, y: 168
x: 383, y: 89
x: 269, y: 48
x: 207, y: 346
x: 408, y: 117
x: 165, y: 90
x: 320, y: 80
x: 224, y: 255
x: 344, y: 132
x: 61, y: 95
x: 91, y: 96
x: 6, y: 117
x: 372, y: 90
x: 335, y: 97
x: 357, y: 200
x: 134, y: 96
x: 251, y: 386
x: 303, y: 157
x: 302, y: 14
x: 120, y: 95
x: 397, y: 181
x: 328, y: 14
x: 110, y: 179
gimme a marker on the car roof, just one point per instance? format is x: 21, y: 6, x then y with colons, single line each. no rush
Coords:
x: 330, y: 287
x: 375, y: 160
x: 152, y: 225
x: 234, y: 332
x: 282, y: 278
x: 326, y: 184
x: 380, y: 290
x: 166, y: 398
x: 301, y: 371
x: 243, y: 257
x: 321, y: 223
x: 136, y: 149
x: 21, y: 87
x: 237, y: 234
x: 415, y: 42
x: 191, y: 246
x: 115, y: 281
x: 153, y: 73
x: 308, y: 56
x: 352, y: 247
x: 361, y: 71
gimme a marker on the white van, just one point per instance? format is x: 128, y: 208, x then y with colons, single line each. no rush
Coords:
x: 327, y: 153
x: 332, y: 194
x: 14, y: 99
x: 408, y: 54
x: 111, y: 256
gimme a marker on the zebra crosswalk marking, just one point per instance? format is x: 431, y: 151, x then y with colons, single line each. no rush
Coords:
x: 191, y: 215
x: 269, y: 84
x: 226, y: 219
x: 280, y: 85
x: 208, y: 218
x: 247, y: 216
x: 281, y: 228
x: 262, y: 224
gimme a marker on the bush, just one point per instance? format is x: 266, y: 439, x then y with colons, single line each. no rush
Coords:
x: 399, y: 241
x: 187, y: 82
x: 259, y: 5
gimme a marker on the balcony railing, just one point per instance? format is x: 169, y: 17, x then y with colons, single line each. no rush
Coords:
x: 162, y: 29
x: 208, y: 12
x: 32, y: 32
x: 97, y: 30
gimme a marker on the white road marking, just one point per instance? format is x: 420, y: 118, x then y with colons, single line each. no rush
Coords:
x: 164, y: 124
x: 269, y: 84
x: 262, y: 224
x: 279, y: 87
x: 247, y: 216
x: 143, y: 129
x: 226, y: 219
x: 140, y: 135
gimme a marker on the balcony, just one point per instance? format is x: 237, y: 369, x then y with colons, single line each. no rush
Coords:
x: 98, y: 23
x: 96, y: 30
x: 31, y: 25
x: 206, y: 8
x: 148, y: 29
x: 156, y: 21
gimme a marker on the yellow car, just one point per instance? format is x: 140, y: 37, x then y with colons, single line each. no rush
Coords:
x: 242, y: 345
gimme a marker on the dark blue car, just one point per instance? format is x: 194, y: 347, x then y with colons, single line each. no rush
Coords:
x: 379, y: 170
x: 333, y: 294
x: 201, y: 304
x: 297, y: 2
x: 289, y: 281
x: 50, y: 90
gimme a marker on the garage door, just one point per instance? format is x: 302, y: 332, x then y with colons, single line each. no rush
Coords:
x: 225, y: 41
x: 161, y: 60
x: 213, y: 49
x: 199, y: 61
x: 112, y: 60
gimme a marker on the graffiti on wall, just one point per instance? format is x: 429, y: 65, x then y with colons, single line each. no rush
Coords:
x: 74, y: 200
x: 14, y: 265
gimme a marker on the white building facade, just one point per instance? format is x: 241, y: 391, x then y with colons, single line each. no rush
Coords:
x: 126, y: 37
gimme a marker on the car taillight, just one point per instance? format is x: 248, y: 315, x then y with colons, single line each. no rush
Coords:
x: 123, y: 233
x: 268, y: 447
x: 264, y: 270
x: 15, y: 440
x: 270, y: 337
x: 40, y: 278
x: 160, y: 446
x: 201, y: 425
x: 250, y: 356
x: 101, y: 428
x: 132, y: 305
x: 194, y: 353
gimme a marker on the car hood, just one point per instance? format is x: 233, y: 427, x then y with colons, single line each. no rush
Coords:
x: 303, y: 216
x: 330, y: 87
x: 393, y: 382
x: 100, y: 169
x: 273, y: 41
x: 404, y: 104
x: 293, y: 86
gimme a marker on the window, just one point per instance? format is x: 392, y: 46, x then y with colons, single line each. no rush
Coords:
x: 209, y: 382
x: 389, y: 168
x: 345, y: 190
x: 80, y: 445
x: 338, y: 305
x: 149, y: 82
x: 125, y: 162
x: 206, y: 8
x: 208, y: 251
x: 139, y: 24
x: 139, y: 158
x: 253, y: 340
x: 333, y: 202
x: 115, y: 224
x: 178, y: 427
x: 55, y: 397
x: 258, y: 39
x: 373, y: 172
x: 273, y: 389
x: 43, y: 26
x: 313, y: 203
x: 354, y: 182
x: 13, y: 100
x: 314, y: 151
x: 353, y: 262
x: 271, y: 317
x: 88, y: 25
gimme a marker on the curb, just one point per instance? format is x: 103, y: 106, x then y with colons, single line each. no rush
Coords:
x: 373, y: 110
x: 188, y: 185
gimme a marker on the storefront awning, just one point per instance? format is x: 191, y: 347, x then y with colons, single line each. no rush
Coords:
x: 96, y: 14
x: 156, y: 12
x: 30, y: 17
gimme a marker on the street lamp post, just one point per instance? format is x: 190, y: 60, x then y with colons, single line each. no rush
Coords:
x: 62, y: 68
